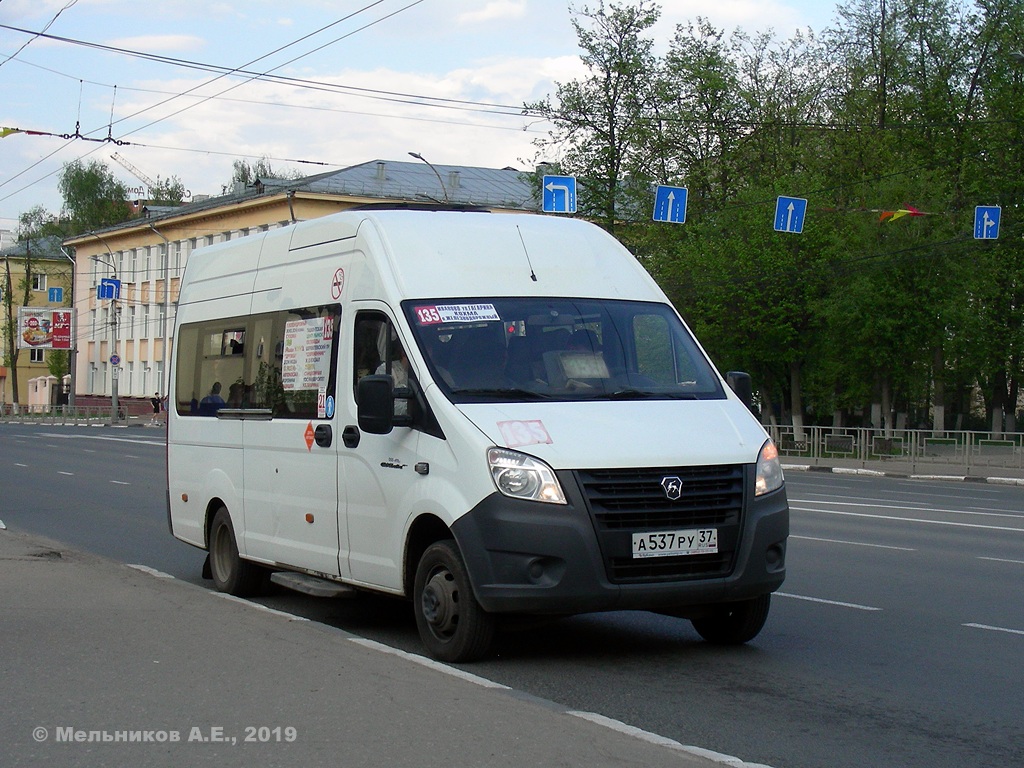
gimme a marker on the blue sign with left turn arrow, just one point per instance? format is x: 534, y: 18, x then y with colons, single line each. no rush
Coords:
x: 559, y: 194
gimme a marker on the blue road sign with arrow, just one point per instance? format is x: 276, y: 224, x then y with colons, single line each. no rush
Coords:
x: 789, y: 214
x: 670, y: 204
x: 108, y: 289
x: 986, y: 222
x: 559, y: 194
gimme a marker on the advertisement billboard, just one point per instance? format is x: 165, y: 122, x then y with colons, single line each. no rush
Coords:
x: 44, y: 328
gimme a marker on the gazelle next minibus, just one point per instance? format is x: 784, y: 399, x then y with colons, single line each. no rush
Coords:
x: 488, y: 414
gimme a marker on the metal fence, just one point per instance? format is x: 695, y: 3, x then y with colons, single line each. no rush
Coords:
x: 62, y: 414
x: 912, y: 450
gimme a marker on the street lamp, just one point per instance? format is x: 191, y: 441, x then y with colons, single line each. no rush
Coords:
x: 418, y: 156
x: 114, y: 419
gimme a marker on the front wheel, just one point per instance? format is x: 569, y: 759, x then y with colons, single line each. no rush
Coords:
x: 734, y: 623
x: 452, y: 625
x: 231, y: 574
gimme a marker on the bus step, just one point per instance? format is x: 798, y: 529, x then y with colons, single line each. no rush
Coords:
x: 311, y: 585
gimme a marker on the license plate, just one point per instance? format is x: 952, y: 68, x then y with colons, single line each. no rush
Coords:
x: 698, y: 541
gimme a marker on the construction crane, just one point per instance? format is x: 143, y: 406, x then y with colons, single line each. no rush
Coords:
x: 134, y: 171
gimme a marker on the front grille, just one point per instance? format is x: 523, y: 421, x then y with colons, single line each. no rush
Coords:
x: 627, y: 501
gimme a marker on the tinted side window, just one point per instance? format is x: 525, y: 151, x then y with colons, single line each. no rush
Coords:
x: 284, y: 362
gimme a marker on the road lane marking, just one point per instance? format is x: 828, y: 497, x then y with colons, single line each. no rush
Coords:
x: 67, y: 474
x: 828, y: 602
x: 429, y: 663
x: 876, y: 505
x: 996, y: 629
x: 119, y: 482
x: 1001, y: 560
x: 907, y: 519
x: 853, y: 543
x: 150, y: 571
x: 259, y: 607
x: 662, y: 741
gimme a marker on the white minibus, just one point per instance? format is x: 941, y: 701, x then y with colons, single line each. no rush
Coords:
x: 487, y: 414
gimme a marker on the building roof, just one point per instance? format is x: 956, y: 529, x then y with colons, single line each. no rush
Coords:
x: 417, y: 182
x: 384, y: 180
x: 42, y: 248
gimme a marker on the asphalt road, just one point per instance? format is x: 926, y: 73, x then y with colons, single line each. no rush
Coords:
x: 895, y: 641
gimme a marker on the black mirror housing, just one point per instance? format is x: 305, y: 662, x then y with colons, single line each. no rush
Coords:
x: 376, y: 410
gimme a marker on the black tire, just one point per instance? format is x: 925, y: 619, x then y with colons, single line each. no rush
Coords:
x: 734, y: 623
x: 452, y: 625
x: 231, y: 574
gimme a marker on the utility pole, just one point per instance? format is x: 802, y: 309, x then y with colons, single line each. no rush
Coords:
x: 114, y: 358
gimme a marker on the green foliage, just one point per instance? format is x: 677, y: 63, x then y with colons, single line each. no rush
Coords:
x: 904, y: 105
x: 169, y: 191
x: 93, y: 197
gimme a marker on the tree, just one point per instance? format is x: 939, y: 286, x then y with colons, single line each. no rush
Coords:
x: 168, y: 191
x: 603, y: 123
x: 93, y: 197
x: 247, y: 174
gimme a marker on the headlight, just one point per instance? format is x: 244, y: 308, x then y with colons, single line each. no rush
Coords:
x: 524, y: 477
x: 769, y: 470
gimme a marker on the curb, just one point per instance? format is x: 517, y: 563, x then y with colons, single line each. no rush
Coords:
x: 902, y: 475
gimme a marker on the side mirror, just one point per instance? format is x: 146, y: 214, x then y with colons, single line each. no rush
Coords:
x: 739, y: 382
x: 376, y: 409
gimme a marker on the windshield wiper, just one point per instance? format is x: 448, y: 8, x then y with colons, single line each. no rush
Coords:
x: 631, y: 393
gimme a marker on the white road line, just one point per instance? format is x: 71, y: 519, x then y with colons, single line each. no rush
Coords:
x: 662, y: 741
x: 258, y: 607
x: 67, y: 474
x: 430, y: 663
x: 1001, y: 560
x: 996, y: 629
x: 907, y: 519
x: 876, y: 505
x: 119, y: 482
x: 853, y: 543
x: 20, y: 465
x: 828, y: 602
x: 150, y: 571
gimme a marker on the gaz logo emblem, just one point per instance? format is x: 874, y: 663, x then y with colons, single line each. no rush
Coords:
x: 673, y: 487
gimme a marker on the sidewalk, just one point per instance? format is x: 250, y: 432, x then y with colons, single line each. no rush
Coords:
x: 107, y: 665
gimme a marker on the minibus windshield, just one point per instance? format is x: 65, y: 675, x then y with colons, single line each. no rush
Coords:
x: 528, y: 349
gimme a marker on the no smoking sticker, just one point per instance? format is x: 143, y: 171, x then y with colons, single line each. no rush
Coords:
x: 338, y: 283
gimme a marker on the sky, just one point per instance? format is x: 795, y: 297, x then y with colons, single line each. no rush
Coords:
x: 354, y: 81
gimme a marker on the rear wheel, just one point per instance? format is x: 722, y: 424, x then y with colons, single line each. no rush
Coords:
x: 452, y: 625
x: 734, y: 623
x: 231, y: 574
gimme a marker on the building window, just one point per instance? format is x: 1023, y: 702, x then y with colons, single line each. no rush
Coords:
x: 39, y: 282
x: 36, y: 356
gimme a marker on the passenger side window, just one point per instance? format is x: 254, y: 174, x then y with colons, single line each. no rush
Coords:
x: 282, y: 362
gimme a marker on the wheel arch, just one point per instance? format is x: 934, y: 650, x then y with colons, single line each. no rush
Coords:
x: 424, y: 531
x: 211, y: 509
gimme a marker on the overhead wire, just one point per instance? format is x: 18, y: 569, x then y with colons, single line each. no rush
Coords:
x: 208, y: 82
